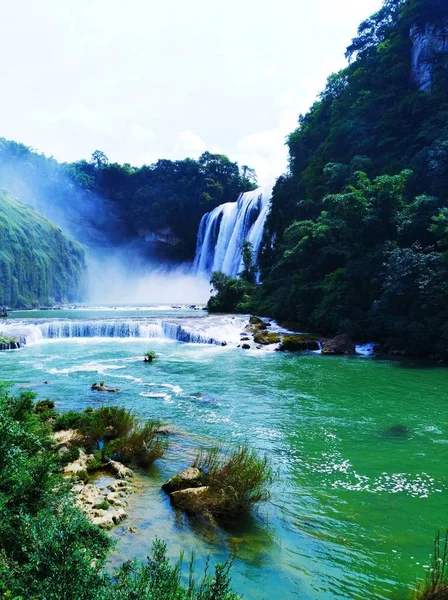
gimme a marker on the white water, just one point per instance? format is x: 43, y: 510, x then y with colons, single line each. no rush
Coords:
x: 223, y: 230
x: 207, y: 330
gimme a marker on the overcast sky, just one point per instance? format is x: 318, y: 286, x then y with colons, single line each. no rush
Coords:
x: 143, y: 80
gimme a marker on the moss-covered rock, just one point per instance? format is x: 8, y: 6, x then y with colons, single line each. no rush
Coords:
x: 266, y: 337
x: 298, y: 343
x: 39, y: 265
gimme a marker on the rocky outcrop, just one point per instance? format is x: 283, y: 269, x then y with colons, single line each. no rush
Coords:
x: 7, y: 343
x: 429, y: 50
x: 341, y: 344
x: 189, y: 478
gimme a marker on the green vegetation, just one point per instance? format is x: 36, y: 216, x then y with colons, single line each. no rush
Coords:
x: 108, y: 203
x: 232, y: 294
x: 116, y: 433
x: 38, y: 264
x: 48, y: 548
x: 436, y: 585
x: 236, y: 480
x: 150, y: 356
x: 357, y: 237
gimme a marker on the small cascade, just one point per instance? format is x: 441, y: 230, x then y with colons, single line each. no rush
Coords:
x: 206, y: 330
x: 223, y: 230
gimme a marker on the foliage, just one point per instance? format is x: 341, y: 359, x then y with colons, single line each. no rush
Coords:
x: 48, y: 548
x: 150, y: 355
x: 230, y: 294
x: 38, y: 264
x: 436, y: 585
x: 236, y: 479
x: 356, y: 240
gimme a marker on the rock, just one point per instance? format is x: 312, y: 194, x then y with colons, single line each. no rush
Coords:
x: 80, y: 464
x: 298, y: 343
x: 132, y: 530
x: 100, y: 387
x: 107, y: 518
x: 67, y: 437
x: 265, y: 338
x: 119, y: 470
x: 245, y: 339
x: 223, y: 343
x: 184, y: 498
x: 189, y: 478
x: 341, y: 344
x: 397, y: 431
x: 245, y: 347
x: 255, y: 321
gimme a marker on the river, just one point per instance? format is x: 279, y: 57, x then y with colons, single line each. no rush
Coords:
x: 360, y: 445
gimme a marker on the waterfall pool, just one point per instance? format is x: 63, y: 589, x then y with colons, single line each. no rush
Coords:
x: 360, y: 445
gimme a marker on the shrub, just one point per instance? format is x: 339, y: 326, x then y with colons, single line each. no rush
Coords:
x: 150, y: 356
x: 236, y: 480
x: 142, y: 444
x: 436, y: 585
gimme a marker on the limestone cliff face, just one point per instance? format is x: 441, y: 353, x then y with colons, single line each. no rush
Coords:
x: 429, y: 49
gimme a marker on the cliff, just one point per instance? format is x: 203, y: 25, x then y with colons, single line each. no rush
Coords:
x: 429, y: 51
x: 38, y: 264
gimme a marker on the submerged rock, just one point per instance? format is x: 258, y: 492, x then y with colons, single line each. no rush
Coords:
x: 188, y: 478
x: 186, y: 498
x: 397, y: 431
x: 341, y: 344
x: 245, y: 347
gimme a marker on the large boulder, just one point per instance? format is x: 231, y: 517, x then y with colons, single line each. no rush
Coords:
x: 298, y: 343
x: 341, y: 344
x: 189, y: 478
x: 255, y: 321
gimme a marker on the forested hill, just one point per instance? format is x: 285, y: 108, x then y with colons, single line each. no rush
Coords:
x: 357, y: 238
x: 155, y: 207
x: 38, y: 264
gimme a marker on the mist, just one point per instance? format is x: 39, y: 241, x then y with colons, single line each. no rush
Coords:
x: 118, y: 280
x: 120, y: 270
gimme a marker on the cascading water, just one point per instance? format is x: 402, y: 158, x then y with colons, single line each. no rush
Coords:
x: 206, y: 330
x: 223, y: 230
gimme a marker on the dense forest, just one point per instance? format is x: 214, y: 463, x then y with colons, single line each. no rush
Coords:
x: 38, y: 264
x: 156, y: 207
x: 357, y: 237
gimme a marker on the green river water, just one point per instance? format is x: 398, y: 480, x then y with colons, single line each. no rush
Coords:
x: 360, y: 445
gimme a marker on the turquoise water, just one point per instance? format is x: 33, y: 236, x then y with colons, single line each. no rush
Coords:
x: 360, y: 445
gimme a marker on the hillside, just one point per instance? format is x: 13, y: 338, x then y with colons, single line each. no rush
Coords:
x: 38, y: 264
x: 357, y: 238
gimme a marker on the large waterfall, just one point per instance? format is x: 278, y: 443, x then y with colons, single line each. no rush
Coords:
x: 223, y: 231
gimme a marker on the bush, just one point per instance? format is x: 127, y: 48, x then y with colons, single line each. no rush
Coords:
x: 118, y: 434
x: 150, y: 356
x: 236, y: 481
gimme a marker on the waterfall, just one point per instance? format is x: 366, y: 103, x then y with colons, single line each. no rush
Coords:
x: 223, y: 230
x: 204, y: 330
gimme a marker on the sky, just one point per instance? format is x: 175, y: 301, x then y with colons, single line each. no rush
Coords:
x: 142, y: 80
